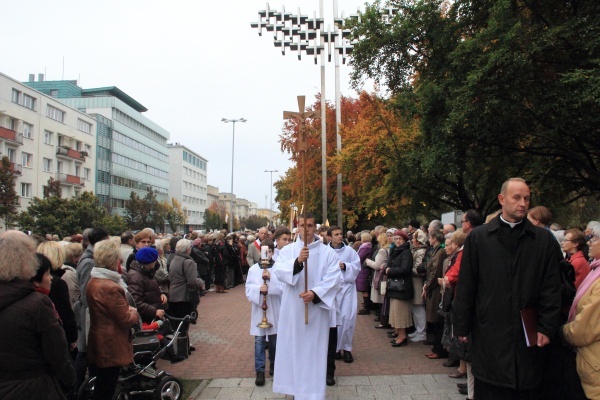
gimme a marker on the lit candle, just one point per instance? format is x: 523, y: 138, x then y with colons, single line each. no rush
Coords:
x: 263, y: 252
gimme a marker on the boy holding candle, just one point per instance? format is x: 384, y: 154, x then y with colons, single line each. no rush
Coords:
x: 255, y: 288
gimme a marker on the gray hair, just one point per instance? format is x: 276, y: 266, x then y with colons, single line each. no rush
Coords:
x: 591, y: 225
x: 183, y: 246
x: 18, y: 259
x: 436, y: 224
x: 595, y: 231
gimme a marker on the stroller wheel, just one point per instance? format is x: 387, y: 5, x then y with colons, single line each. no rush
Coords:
x: 86, y: 390
x: 121, y: 394
x: 169, y: 388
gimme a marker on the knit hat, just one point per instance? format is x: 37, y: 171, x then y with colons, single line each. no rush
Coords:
x: 403, y: 235
x: 146, y: 255
x: 196, y: 242
x: 421, y: 236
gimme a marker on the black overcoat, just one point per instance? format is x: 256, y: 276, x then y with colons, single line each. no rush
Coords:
x: 401, y: 268
x: 497, y: 280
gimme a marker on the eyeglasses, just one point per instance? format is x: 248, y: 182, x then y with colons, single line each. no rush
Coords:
x: 462, y: 221
x: 593, y: 239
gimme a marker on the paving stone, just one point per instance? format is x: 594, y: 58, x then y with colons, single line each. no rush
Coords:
x: 225, y: 383
x: 385, y: 380
x: 373, y: 390
x: 430, y: 397
x: 353, y: 380
x: 209, y: 393
x: 416, y: 388
x: 411, y: 379
x: 438, y: 388
x: 235, y: 393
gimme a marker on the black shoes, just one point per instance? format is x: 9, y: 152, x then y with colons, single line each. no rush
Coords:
x: 402, y: 343
x: 330, y: 380
x: 338, y: 355
x: 348, y: 357
x: 260, y: 378
x: 364, y: 311
x: 461, y: 385
x: 451, y: 363
x: 463, y: 391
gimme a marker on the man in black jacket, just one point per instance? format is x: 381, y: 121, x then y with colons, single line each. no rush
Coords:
x: 508, y: 266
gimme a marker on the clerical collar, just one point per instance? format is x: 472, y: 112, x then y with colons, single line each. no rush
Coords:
x: 336, y: 248
x: 511, y: 224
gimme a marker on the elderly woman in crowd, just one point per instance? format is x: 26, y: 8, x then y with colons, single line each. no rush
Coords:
x: 59, y: 291
x: 35, y: 359
x: 432, y: 293
x: 185, y: 282
x: 378, y: 265
x: 162, y: 273
x: 221, y: 256
x: 362, y: 280
x: 573, y: 245
x: 149, y: 300
x: 72, y: 253
x: 583, y: 327
x: 143, y: 238
x: 418, y: 249
x: 109, y: 345
x: 400, y: 287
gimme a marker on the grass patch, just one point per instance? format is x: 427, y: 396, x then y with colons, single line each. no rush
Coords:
x: 189, y: 385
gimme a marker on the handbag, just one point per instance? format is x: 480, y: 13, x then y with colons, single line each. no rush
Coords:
x: 382, y: 287
x: 396, y: 285
x: 379, y: 277
x: 460, y: 349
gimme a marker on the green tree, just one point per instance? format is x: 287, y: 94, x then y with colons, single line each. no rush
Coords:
x: 8, y: 195
x: 67, y: 216
x: 174, y: 215
x: 212, y: 219
x: 52, y: 189
x: 135, y: 212
x: 498, y: 88
x: 254, y: 222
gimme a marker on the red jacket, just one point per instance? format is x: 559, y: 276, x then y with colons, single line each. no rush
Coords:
x: 581, y: 267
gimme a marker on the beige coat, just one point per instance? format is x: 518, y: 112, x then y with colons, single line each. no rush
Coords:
x: 380, y: 262
x: 418, y: 254
x: 584, y: 333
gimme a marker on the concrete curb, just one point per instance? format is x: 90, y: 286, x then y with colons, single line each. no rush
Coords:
x: 198, y: 391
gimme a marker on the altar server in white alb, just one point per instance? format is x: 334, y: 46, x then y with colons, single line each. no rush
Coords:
x: 349, y: 263
x: 255, y: 284
x: 301, y: 359
x: 281, y: 237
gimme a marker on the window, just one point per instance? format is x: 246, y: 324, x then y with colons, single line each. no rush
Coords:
x: 47, y: 165
x: 77, y: 170
x: 55, y: 114
x: 86, y: 174
x: 59, y: 167
x: 48, y: 137
x: 84, y: 126
x: 25, y: 189
x: 26, y: 159
x: 78, y: 145
x: 88, y: 149
x: 16, y: 96
x: 29, y: 102
x: 54, y: 92
x: 12, y: 155
x: 27, y: 130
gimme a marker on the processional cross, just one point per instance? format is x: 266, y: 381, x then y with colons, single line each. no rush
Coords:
x: 302, y: 144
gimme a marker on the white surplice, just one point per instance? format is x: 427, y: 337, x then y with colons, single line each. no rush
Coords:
x: 253, y: 283
x: 301, y: 359
x: 346, y: 297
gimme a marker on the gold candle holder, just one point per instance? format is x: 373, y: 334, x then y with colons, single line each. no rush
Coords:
x: 266, y: 276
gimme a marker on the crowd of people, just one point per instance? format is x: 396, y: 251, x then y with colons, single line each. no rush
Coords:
x: 68, y: 306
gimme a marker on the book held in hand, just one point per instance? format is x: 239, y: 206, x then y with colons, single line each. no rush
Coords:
x: 529, y: 320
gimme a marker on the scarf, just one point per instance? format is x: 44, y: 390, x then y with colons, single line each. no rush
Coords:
x: 47, y: 293
x: 585, y: 285
x: 103, y: 273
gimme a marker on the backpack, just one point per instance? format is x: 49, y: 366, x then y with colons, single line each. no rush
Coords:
x: 567, y: 282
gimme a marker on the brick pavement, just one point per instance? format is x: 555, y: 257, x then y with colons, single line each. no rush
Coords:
x: 225, y: 349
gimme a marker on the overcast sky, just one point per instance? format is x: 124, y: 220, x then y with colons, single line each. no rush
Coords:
x: 190, y: 63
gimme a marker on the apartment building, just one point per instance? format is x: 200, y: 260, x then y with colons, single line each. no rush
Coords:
x: 43, y: 138
x: 132, y: 153
x: 188, y: 183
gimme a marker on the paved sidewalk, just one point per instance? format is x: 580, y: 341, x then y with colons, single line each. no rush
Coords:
x: 378, y: 387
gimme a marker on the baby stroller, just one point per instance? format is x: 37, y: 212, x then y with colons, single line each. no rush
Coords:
x: 141, y: 377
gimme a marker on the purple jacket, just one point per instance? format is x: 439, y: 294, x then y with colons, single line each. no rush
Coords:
x: 362, y: 280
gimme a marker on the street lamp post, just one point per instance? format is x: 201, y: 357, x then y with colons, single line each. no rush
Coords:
x: 232, y: 158
x: 271, y: 203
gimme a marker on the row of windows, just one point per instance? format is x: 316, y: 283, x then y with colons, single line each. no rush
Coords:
x: 139, y: 127
x: 194, y: 214
x: 47, y: 166
x: 193, y: 200
x: 195, y: 188
x: 194, y: 160
x: 128, y: 162
x: 127, y: 141
x: 129, y: 183
x: 194, y: 174
x: 55, y: 114
x: 23, y: 99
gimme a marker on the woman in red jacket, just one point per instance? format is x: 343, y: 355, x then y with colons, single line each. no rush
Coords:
x: 573, y: 246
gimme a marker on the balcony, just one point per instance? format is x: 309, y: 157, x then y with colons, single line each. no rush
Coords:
x: 11, y: 136
x: 71, y: 180
x: 17, y: 169
x: 68, y: 153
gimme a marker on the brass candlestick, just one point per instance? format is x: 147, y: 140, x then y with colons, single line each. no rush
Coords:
x: 266, y: 276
